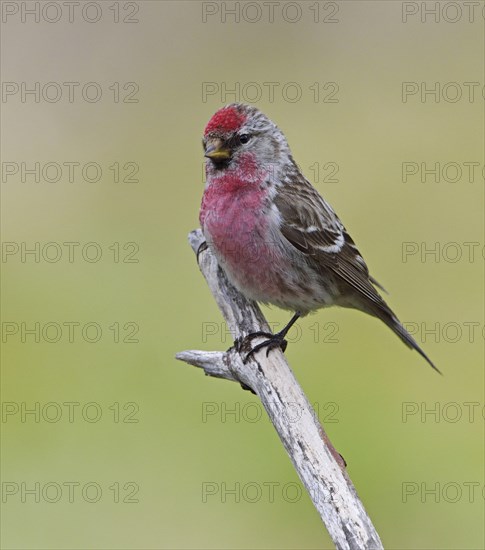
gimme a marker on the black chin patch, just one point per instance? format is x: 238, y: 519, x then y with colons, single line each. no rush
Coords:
x: 220, y: 164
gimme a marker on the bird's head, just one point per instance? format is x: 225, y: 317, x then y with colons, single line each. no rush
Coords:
x: 241, y: 133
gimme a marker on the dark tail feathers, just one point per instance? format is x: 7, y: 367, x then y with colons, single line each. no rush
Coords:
x: 393, y: 323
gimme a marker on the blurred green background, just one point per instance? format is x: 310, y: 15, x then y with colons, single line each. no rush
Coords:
x: 153, y: 453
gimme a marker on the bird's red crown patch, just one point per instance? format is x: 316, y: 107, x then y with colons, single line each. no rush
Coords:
x: 226, y: 119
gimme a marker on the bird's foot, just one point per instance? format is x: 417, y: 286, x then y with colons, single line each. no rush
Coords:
x: 273, y: 341
x: 243, y: 343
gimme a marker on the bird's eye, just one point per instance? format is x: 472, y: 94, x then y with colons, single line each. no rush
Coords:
x: 244, y: 138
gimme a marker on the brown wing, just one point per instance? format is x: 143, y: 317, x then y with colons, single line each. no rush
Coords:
x: 312, y: 227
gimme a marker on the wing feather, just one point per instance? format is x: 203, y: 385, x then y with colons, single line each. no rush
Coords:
x: 311, y: 226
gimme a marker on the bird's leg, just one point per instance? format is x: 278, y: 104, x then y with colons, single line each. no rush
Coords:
x: 274, y: 340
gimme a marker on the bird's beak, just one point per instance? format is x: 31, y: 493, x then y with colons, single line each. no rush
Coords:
x: 216, y: 150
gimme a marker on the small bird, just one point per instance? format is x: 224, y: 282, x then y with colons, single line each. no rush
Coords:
x: 275, y: 237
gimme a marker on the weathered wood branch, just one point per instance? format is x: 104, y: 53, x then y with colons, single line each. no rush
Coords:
x: 320, y: 467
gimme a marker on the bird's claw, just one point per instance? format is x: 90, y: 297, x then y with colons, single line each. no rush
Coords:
x: 203, y: 246
x: 273, y: 341
x: 243, y: 343
x: 276, y: 341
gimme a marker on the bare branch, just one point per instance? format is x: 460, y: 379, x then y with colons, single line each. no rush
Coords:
x: 320, y: 467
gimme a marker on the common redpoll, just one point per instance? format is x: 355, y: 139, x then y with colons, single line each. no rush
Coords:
x: 274, y: 236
